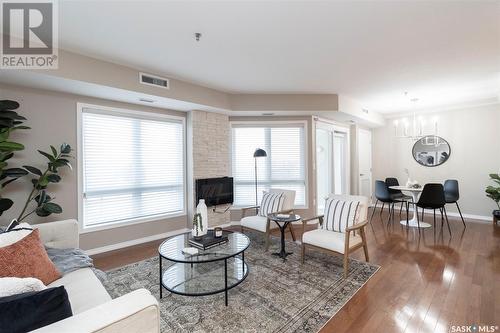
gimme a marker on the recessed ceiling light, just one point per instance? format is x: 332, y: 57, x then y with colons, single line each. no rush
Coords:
x: 146, y: 100
x: 268, y: 114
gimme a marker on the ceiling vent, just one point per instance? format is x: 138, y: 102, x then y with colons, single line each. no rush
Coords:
x: 153, y: 80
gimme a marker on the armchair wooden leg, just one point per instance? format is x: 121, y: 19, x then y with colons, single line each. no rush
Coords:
x: 365, y: 245
x: 303, y: 252
x: 346, y: 254
x: 241, y: 229
x: 267, y: 235
x: 291, y: 231
x: 346, y: 264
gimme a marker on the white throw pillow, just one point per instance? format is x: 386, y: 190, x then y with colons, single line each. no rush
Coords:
x: 13, y: 285
x: 13, y: 236
x: 271, y: 203
x: 340, y: 214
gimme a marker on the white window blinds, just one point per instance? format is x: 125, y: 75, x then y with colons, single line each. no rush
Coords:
x: 132, y: 166
x: 284, y: 166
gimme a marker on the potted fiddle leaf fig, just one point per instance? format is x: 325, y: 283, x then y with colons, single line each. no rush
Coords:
x: 10, y: 121
x: 493, y: 192
x: 38, y: 201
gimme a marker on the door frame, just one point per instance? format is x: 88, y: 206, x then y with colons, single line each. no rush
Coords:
x: 358, y: 142
x: 333, y: 126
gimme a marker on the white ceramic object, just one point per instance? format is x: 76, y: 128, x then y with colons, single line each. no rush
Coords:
x: 203, y: 211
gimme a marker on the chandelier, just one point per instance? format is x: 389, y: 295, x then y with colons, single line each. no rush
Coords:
x: 415, y: 128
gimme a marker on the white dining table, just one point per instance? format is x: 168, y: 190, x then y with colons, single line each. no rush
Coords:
x: 414, y: 192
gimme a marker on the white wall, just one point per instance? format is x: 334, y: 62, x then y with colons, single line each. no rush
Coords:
x: 474, y: 137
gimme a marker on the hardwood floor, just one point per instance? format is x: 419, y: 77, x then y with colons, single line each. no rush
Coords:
x: 426, y: 283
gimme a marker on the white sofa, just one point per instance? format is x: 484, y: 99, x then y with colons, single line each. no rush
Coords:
x: 93, y: 308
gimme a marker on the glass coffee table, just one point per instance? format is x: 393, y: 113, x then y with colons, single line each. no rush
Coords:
x: 209, y: 272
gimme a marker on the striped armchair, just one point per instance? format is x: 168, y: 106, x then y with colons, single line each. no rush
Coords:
x: 341, y: 229
x: 260, y: 222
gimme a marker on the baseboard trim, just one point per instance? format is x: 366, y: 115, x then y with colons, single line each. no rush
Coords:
x: 133, y: 242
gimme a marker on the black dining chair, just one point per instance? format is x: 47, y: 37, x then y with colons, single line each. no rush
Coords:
x: 451, y: 195
x: 383, y: 195
x: 432, y: 197
x: 397, y: 194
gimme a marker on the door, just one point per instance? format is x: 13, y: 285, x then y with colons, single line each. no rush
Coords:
x: 365, y: 162
x: 332, y: 162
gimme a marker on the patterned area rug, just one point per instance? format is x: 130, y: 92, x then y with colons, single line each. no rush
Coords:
x: 276, y: 296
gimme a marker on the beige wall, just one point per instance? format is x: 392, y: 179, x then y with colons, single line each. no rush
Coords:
x: 52, y: 117
x: 473, y: 134
x: 311, y: 189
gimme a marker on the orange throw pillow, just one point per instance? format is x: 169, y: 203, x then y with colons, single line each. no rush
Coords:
x: 28, y: 258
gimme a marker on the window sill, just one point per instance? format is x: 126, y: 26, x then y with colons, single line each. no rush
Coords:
x: 121, y: 224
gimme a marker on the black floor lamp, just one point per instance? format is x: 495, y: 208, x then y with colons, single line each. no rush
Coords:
x: 258, y: 153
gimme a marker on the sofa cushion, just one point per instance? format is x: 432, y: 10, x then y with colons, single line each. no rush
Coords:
x: 257, y: 222
x: 329, y: 240
x: 28, y: 258
x: 14, y: 234
x: 271, y: 203
x: 29, y: 311
x: 340, y: 214
x: 13, y: 285
x: 84, y: 289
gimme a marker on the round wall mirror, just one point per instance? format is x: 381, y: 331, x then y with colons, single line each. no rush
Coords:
x: 431, y: 151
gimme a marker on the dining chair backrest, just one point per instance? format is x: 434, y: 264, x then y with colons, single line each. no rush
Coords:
x: 382, y: 192
x: 390, y: 181
x: 451, y: 193
x: 432, y: 196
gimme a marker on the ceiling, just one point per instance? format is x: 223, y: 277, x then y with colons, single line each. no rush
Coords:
x: 441, y: 52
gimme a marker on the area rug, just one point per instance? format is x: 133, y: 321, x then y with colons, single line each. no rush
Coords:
x: 276, y: 296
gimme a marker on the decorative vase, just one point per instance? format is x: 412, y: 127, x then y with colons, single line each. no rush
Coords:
x: 196, y: 232
x: 203, y: 211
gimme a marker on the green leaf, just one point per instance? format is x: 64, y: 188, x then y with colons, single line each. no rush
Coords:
x: 5, y: 204
x: 65, y: 148
x: 8, y: 105
x: 10, y: 146
x: 50, y: 157
x: 33, y: 170
x: 41, y: 198
x: 54, y: 151
x: 52, y: 207
x: 7, y: 156
x: 20, y: 127
x: 11, y: 115
x: 15, y: 172
x: 42, y: 212
x: 6, y: 123
x: 53, y: 178
x: 43, y: 181
x: 3, y: 165
x: 8, y: 182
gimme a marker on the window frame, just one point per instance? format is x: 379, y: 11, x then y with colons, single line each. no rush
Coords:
x: 276, y: 123
x: 115, y: 111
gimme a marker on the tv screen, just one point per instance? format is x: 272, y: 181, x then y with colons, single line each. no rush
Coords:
x: 215, y: 191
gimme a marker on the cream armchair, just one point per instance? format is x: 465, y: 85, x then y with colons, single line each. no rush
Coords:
x: 262, y: 223
x: 344, y: 242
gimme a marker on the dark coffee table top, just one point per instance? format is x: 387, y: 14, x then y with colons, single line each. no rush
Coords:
x: 277, y: 218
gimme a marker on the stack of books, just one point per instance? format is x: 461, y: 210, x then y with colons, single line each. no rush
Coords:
x: 208, y: 241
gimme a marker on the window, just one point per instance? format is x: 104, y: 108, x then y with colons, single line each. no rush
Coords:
x: 284, y: 167
x: 132, y: 166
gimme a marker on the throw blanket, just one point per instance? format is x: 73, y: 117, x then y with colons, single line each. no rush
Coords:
x: 69, y: 260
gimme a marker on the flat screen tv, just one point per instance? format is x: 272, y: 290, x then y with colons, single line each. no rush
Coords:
x: 215, y: 191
